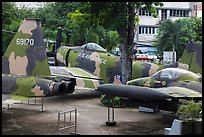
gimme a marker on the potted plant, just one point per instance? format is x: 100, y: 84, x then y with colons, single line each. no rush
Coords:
x: 189, y: 120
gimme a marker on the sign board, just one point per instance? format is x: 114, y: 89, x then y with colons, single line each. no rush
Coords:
x: 168, y: 56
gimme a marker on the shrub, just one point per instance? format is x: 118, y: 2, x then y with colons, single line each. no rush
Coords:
x: 190, y: 111
x: 111, y: 101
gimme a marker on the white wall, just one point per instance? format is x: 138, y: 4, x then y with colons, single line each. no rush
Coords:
x: 199, y: 13
x: 148, y: 20
x: 175, y: 5
x: 151, y: 21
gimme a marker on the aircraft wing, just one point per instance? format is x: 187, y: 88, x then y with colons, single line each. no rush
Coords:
x: 11, y: 99
x: 83, y: 78
x: 148, y: 94
x: 180, y: 92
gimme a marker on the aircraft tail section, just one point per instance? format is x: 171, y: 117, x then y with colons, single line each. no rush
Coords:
x: 26, y: 54
x: 192, y: 57
x: 59, y: 38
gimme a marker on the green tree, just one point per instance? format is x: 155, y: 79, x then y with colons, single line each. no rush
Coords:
x: 111, y: 40
x: 54, y: 15
x: 11, y: 19
x: 175, y: 34
x: 120, y: 16
x: 8, y: 13
x: 193, y: 27
x: 83, y: 31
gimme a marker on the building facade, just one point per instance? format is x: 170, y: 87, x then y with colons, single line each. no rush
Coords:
x: 148, y: 25
x: 197, y: 11
x: 30, y: 5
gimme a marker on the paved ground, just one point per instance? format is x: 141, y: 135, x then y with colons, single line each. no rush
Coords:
x: 23, y: 119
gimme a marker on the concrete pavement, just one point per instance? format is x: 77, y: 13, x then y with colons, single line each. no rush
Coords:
x: 23, y: 119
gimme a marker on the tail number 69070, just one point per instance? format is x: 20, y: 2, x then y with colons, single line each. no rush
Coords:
x: 21, y: 41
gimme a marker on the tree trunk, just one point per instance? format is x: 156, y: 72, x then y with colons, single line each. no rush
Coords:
x: 122, y: 31
x: 127, y: 34
x: 130, y: 42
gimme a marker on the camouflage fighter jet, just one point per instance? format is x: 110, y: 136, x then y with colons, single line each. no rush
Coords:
x: 25, y: 69
x: 169, y: 77
x: 165, y: 98
x: 94, y: 63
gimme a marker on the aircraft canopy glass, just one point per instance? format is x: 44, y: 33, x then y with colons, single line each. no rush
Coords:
x: 93, y: 46
x: 172, y: 73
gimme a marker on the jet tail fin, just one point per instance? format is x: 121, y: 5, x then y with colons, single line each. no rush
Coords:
x: 26, y: 54
x: 192, y: 57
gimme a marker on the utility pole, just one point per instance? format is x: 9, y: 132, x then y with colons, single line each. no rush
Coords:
x: 173, y: 57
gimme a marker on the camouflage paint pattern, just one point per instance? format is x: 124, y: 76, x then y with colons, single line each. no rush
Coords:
x: 180, y: 92
x: 31, y: 86
x: 25, y: 68
x: 102, y: 65
x: 192, y: 57
x: 83, y: 79
x: 188, y: 80
x: 108, y: 67
x: 25, y: 54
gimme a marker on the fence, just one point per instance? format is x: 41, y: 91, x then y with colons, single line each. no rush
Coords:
x: 62, y: 125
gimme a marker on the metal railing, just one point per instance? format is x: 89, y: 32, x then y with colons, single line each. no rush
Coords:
x: 29, y: 102
x: 62, y: 125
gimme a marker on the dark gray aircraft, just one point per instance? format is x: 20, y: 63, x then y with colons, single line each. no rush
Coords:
x: 166, y: 98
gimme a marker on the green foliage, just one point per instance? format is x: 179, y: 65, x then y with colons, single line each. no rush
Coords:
x: 111, y: 40
x: 193, y: 26
x: 177, y: 33
x: 8, y: 13
x: 111, y: 101
x: 190, y: 111
x: 54, y: 15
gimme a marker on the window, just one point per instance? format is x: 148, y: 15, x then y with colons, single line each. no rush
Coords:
x: 179, y: 13
x: 186, y: 13
x: 153, y: 31
x: 146, y: 13
x: 139, y: 30
x: 150, y: 30
x: 156, y: 76
x: 142, y: 30
x: 176, y: 13
x: 166, y: 75
x: 171, y: 13
x: 157, y: 12
x: 143, y: 12
x: 146, y: 30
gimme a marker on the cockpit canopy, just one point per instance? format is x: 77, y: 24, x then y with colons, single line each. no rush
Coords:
x: 93, y: 46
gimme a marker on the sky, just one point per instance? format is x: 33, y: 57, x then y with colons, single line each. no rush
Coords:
x: 29, y: 4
